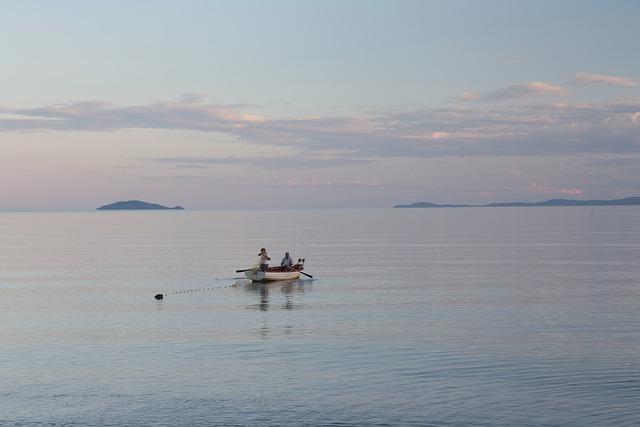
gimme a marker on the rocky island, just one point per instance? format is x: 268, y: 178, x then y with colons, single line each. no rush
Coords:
x: 135, y: 205
x: 629, y: 201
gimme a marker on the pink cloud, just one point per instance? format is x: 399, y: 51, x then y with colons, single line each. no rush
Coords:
x: 536, y: 188
x: 439, y: 135
x: 571, y: 191
x: 542, y: 88
x: 470, y: 96
x: 348, y: 183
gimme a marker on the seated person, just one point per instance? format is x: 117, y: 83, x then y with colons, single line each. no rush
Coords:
x: 286, y: 262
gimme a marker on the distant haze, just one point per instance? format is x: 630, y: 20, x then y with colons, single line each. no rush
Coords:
x: 306, y: 104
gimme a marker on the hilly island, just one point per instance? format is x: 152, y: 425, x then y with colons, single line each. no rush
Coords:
x: 629, y: 201
x: 135, y: 205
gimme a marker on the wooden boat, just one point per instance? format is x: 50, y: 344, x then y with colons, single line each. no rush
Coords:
x: 274, y: 274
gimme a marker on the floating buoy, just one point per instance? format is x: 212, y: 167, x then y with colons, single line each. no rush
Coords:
x: 159, y: 296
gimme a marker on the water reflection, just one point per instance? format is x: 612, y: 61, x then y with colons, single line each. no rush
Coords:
x: 265, y: 330
x: 288, y: 289
x: 268, y: 299
x: 264, y: 297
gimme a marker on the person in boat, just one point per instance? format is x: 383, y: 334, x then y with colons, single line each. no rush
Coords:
x: 264, y: 259
x: 286, y: 262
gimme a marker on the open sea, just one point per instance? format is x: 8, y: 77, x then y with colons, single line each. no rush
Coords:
x: 425, y: 317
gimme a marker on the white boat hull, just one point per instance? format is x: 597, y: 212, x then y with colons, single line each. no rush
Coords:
x: 271, y: 276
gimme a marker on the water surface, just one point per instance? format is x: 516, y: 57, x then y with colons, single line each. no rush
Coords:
x: 443, y: 317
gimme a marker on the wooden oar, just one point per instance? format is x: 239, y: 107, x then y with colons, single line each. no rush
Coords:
x: 308, y: 275
x: 246, y: 269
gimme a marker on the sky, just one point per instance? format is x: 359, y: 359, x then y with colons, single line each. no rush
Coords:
x: 317, y: 104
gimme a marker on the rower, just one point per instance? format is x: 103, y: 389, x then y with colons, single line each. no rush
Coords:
x: 264, y: 259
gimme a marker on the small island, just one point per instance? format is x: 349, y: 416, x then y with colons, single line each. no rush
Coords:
x: 135, y: 205
x: 629, y: 201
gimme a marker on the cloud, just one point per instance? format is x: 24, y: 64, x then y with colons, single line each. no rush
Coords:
x: 570, y: 191
x: 583, y: 79
x: 517, y: 91
x: 470, y: 96
x: 189, y: 113
x: 535, y: 188
x: 193, y: 97
x: 347, y: 183
x: 273, y: 162
x: 364, y: 184
x: 462, y: 129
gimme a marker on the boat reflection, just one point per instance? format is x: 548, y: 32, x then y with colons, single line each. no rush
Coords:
x: 269, y: 299
x: 288, y: 288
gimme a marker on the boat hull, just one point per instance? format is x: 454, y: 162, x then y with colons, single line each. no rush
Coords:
x: 272, y: 276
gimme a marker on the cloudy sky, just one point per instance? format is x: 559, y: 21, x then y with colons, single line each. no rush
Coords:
x: 317, y: 104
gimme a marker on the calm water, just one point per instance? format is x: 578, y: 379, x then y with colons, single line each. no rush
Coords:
x: 443, y: 317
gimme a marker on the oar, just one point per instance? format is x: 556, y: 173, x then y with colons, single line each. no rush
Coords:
x: 308, y: 275
x: 246, y: 269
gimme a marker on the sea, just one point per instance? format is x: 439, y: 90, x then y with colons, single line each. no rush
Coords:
x: 414, y: 317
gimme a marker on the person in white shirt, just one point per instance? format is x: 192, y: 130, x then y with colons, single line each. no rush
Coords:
x: 264, y: 259
x: 286, y: 262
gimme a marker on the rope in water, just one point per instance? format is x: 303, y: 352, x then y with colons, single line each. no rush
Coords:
x: 239, y: 282
x: 186, y: 291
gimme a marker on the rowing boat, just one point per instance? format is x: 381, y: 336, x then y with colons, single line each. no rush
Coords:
x: 274, y: 274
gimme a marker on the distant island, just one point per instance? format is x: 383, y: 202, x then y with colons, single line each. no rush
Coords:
x: 135, y: 205
x: 553, y: 202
